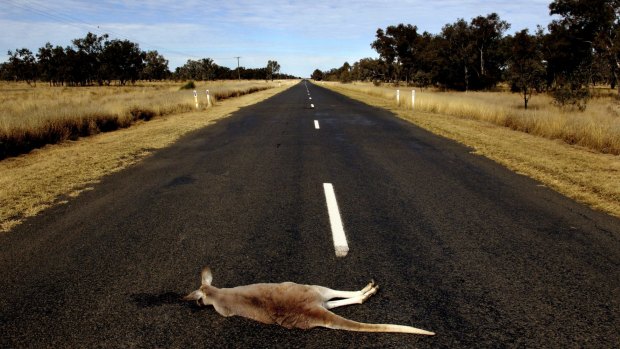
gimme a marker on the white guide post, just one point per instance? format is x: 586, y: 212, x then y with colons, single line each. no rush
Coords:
x: 397, y: 97
x: 196, y: 98
x: 208, y: 99
x: 412, y: 99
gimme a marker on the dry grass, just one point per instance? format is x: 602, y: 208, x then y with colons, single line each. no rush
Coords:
x: 31, y: 117
x: 590, y: 177
x: 598, y: 128
x: 32, y: 182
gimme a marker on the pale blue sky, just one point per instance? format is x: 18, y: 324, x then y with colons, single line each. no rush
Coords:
x: 300, y: 35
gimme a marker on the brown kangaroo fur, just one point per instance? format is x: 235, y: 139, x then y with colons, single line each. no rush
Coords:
x: 290, y: 305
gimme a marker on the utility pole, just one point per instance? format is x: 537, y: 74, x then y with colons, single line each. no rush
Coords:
x: 238, y: 72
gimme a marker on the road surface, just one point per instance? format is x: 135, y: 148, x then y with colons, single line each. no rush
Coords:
x: 459, y: 245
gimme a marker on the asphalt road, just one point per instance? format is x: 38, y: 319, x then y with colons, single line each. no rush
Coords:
x: 459, y: 245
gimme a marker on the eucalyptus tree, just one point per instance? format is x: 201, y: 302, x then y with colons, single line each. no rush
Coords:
x: 526, y: 69
x: 273, y: 68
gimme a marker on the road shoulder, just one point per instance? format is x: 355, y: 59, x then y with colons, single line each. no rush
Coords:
x: 52, y: 175
x: 580, y: 174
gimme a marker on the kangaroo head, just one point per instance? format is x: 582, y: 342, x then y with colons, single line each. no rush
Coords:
x: 201, y: 295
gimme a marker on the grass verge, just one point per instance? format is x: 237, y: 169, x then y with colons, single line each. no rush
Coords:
x: 598, y: 128
x: 31, y: 117
x: 587, y: 176
x: 51, y: 175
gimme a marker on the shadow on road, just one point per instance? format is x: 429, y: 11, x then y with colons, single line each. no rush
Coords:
x: 149, y: 300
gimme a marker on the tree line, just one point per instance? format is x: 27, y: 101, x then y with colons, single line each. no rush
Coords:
x: 207, y: 69
x: 99, y: 60
x: 579, y: 48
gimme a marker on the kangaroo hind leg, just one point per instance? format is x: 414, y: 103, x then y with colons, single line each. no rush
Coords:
x: 346, y: 297
x: 328, y: 293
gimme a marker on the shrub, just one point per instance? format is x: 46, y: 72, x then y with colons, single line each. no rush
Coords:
x: 567, y: 97
x: 188, y: 86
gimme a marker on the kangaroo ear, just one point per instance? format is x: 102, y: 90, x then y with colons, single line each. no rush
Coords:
x: 206, y: 276
x: 194, y: 296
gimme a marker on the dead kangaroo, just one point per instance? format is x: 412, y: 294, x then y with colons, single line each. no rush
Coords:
x: 290, y: 305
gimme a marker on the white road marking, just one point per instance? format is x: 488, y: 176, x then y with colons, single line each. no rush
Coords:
x: 310, y: 98
x: 311, y: 105
x: 316, y: 124
x: 340, y: 240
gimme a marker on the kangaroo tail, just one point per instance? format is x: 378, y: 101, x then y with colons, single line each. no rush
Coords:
x: 340, y: 323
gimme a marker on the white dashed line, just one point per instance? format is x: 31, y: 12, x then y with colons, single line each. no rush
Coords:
x: 311, y: 105
x: 340, y: 240
x: 316, y: 124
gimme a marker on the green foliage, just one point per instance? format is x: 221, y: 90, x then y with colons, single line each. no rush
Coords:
x: 155, y: 67
x: 188, y: 86
x: 585, y: 28
x: 122, y: 61
x: 463, y: 56
x: 344, y: 75
x: 207, y: 69
x: 99, y: 60
x: 273, y: 68
x: 526, y: 71
x: 582, y: 47
x: 368, y: 69
x: 317, y: 75
x: 22, y: 65
x: 567, y: 97
x: 90, y: 60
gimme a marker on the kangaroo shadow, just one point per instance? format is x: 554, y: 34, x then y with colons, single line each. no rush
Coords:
x: 150, y: 300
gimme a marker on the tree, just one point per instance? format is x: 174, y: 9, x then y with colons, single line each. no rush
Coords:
x: 155, y: 66
x: 584, y: 27
x: 5, y: 74
x: 51, y: 62
x: 611, y: 45
x: 22, y: 65
x: 526, y: 70
x: 344, y: 73
x: 487, y: 33
x: 46, y: 68
x: 456, y: 55
x: 594, y: 24
x: 317, y: 75
x: 368, y: 69
x: 88, y: 60
x: 385, y: 47
x: 273, y: 68
x: 398, y: 43
x: 204, y: 69
x: 122, y: 61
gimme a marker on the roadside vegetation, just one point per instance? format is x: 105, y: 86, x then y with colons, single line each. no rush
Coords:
x: 588, y: 176
x: 544, y: 103
x: 54, y: 174
x: 579, y: 49
x: 597, y: 128
x: 100, y: 84
x: 33, y: 116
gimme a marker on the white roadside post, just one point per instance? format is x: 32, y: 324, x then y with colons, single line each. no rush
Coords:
x: 196, y: 98
x: 398, y: 97
x: 412, y: 99
x: 208, y: 99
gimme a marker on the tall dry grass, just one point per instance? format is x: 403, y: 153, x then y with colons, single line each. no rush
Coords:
x: 597, y: 128
x: 31, y: 117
